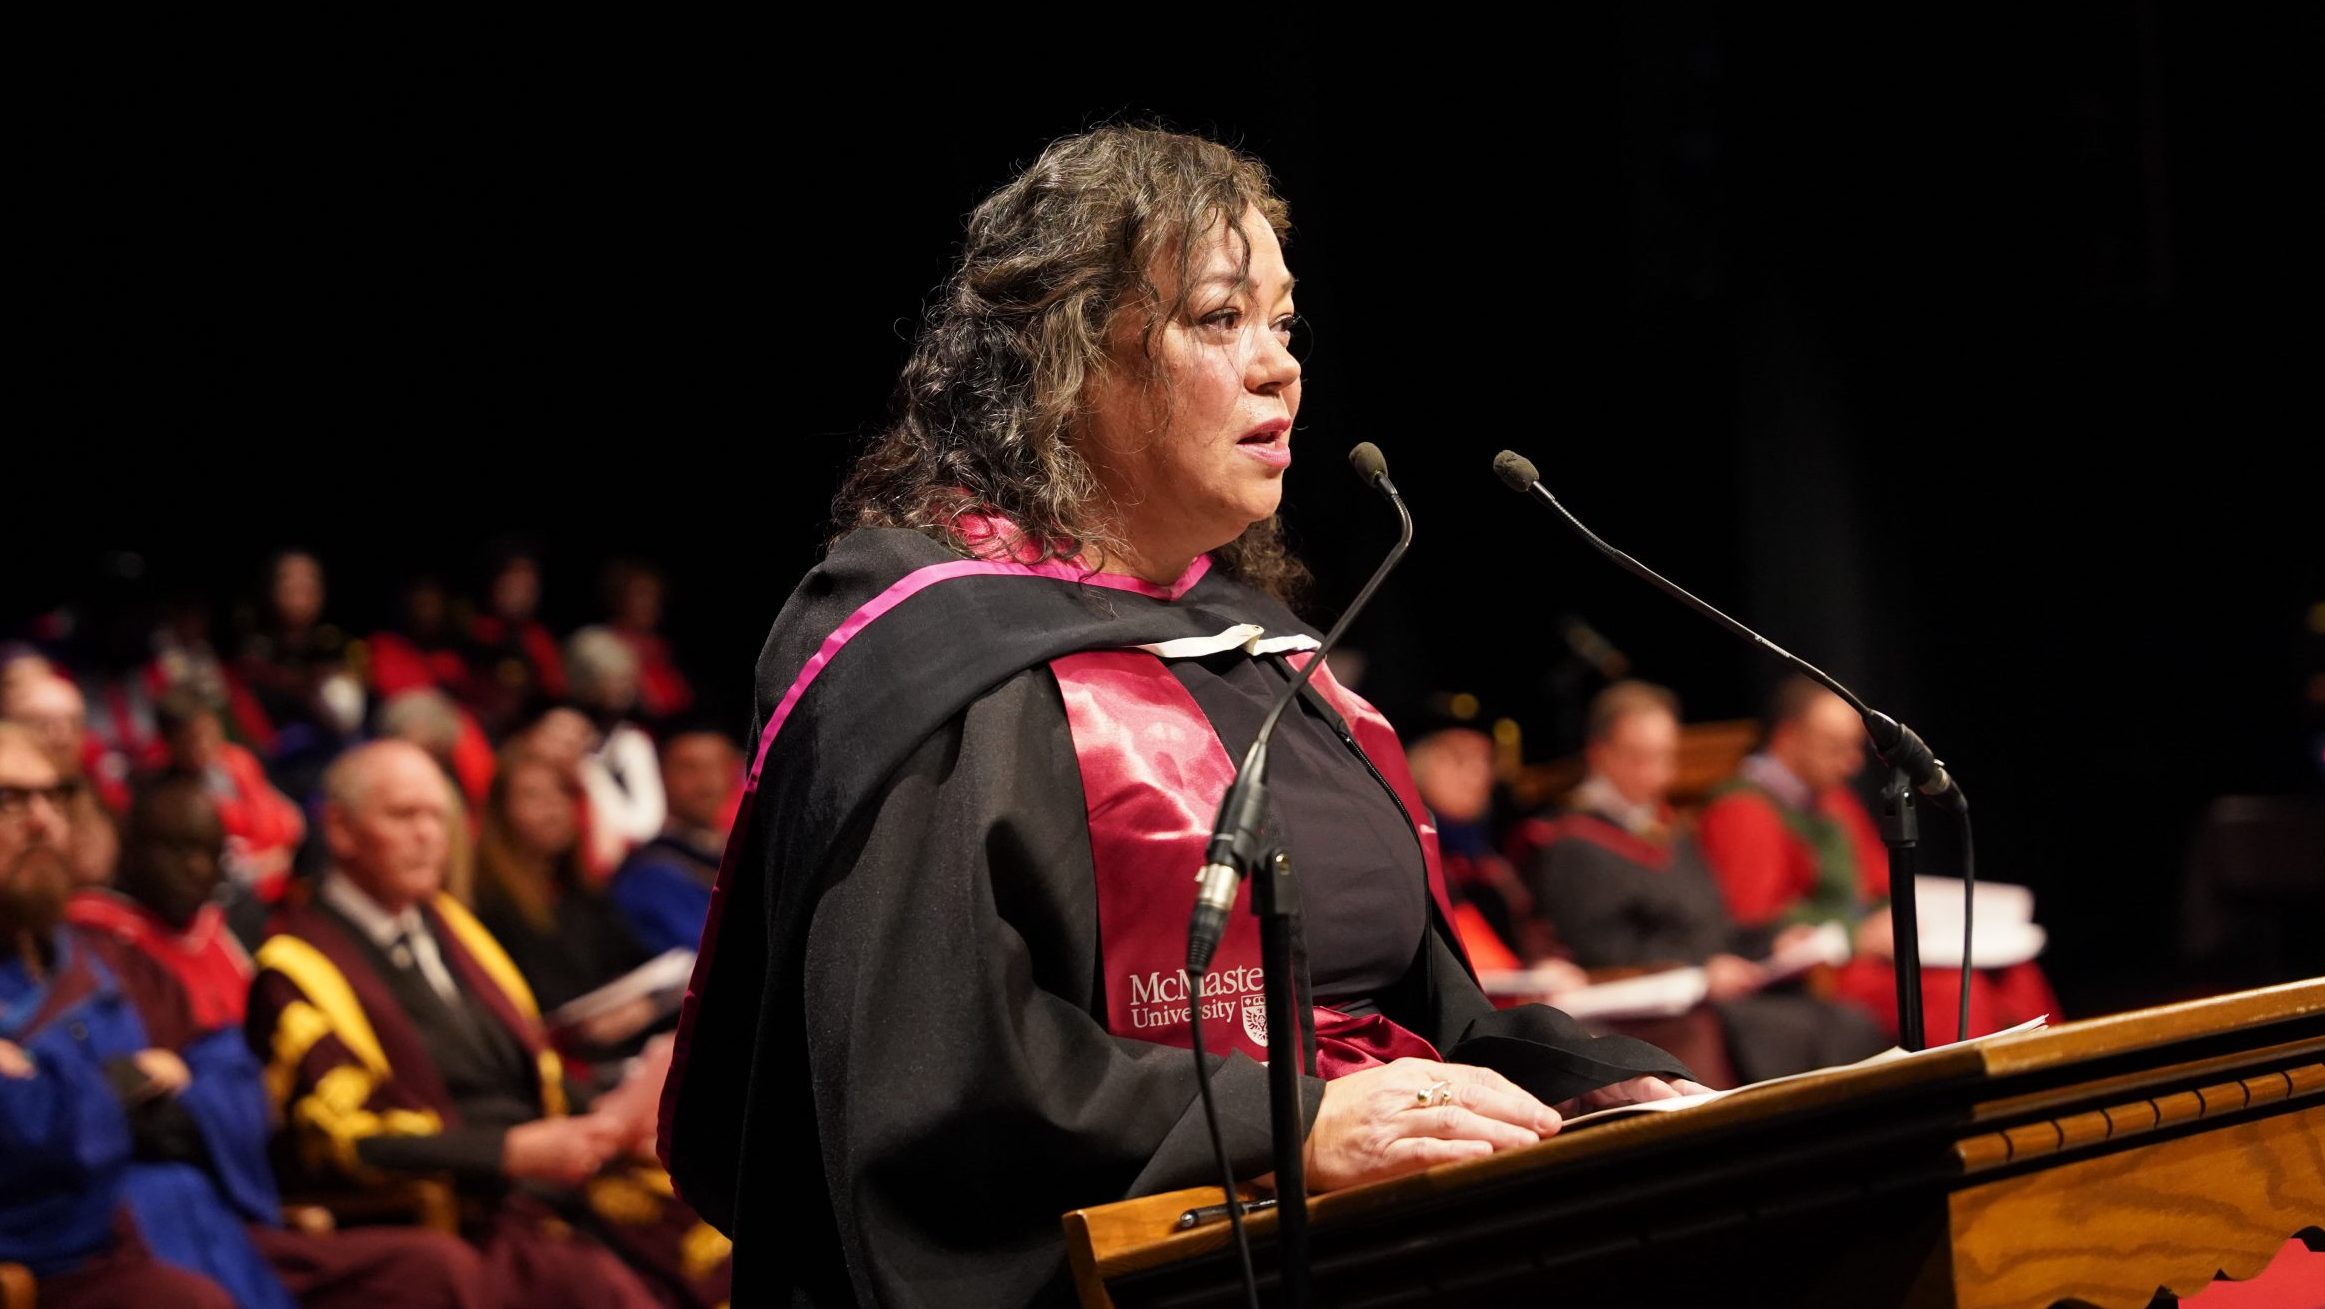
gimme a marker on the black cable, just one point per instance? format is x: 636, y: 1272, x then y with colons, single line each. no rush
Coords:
x: 1969, y: 906
x: 1219, y: 1143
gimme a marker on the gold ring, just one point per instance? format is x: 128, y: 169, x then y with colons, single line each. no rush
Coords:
x: 1437, y: 1093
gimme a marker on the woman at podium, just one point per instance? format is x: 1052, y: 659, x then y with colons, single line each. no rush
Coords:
x: 939, y: 1001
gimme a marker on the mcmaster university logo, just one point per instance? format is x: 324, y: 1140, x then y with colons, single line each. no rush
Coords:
x: 1159, y: 1002
x: 1255, y: 1018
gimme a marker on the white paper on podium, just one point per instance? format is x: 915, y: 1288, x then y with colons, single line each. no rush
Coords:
x: 1890, y: 1055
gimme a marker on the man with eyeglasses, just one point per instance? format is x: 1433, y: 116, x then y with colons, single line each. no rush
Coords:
x: 50, y: 707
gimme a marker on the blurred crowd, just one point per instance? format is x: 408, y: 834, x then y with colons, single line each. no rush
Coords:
x: 1761, y: 898
x: 339, y: 968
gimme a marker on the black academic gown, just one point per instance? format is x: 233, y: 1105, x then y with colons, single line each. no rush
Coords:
x: 894, y: 1074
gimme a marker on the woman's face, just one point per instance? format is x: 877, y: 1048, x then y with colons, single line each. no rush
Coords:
x: 638, y: 604
x: 298, y: 590
x: 1192, y: 448
x: 516, y: 590
x: 540, y: 811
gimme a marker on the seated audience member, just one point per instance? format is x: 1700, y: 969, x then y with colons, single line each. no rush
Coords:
x: 263, y: 827
x: 1496, y: 918
x: 47, y: 704
x: 41, y: 698
x: 426, y: 649
x: 402, y: 1040
x: 294, y: 665
x: 663, y: 888
x: 182, y: 653
x: 565, y: 937
x: 1790, y: 843
x: 1628, y: 888
x: 68, y: 1039
x: 561, y: 737
x: 165, y: 902
x: 433, y: 721
x: 634, y: 596
x: 620, y: 773
x: 200, y: 1182
x: 513, y: 661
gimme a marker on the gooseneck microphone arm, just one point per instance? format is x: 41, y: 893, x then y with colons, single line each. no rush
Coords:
x: 1898, y: 744
x: 1235, y: 832
x: 1913, y: 766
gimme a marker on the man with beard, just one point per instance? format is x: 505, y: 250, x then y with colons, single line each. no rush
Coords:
x: 1790, y: 843
x: 67, y: 1040
x: 214, y: 1163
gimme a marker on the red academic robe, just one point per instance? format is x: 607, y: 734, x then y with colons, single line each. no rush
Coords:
x: 205, y: 958
x: 1767, y: 871
x: 262, y: 825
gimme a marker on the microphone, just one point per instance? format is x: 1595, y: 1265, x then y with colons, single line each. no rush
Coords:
x: 1366, y: 459
x: 1235, y: 847
x: 1897, y: 744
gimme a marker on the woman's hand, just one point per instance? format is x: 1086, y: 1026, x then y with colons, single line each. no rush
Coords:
x: 1406, y: 1116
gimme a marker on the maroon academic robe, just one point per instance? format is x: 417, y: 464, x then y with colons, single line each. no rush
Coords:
x: 363, y: 1099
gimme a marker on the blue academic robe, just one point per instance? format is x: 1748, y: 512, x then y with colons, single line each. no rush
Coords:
x: 64, y: 1143
x: 663, y: 891
x: 191, y: 1214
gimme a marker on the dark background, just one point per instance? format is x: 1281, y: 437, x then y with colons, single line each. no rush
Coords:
x: 1973, y: 357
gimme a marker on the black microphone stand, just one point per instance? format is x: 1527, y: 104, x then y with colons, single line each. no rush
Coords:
x: 1911, y: 765
x: 1275, y: 901
x: 1901, y: 832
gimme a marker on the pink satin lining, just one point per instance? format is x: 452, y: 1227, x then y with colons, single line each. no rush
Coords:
x: 920, y: 579
x: 1152, y: 771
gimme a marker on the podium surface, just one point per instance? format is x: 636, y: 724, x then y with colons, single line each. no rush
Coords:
x: 2094, y: 1163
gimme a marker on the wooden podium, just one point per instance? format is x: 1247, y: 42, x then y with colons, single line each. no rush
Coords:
x: 2093, y: 1163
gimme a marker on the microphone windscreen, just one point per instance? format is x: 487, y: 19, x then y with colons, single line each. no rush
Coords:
x: 1516, y: 470
x: 1368, y: 462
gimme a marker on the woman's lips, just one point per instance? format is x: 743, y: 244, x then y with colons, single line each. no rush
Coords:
x: 1270, y: 443
x: 1270, y: 448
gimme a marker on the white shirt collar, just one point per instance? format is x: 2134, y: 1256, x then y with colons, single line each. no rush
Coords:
x: 341, y: 893
x: 387, y: 930
x: 1250, y: 638
x: 1599, y: 796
